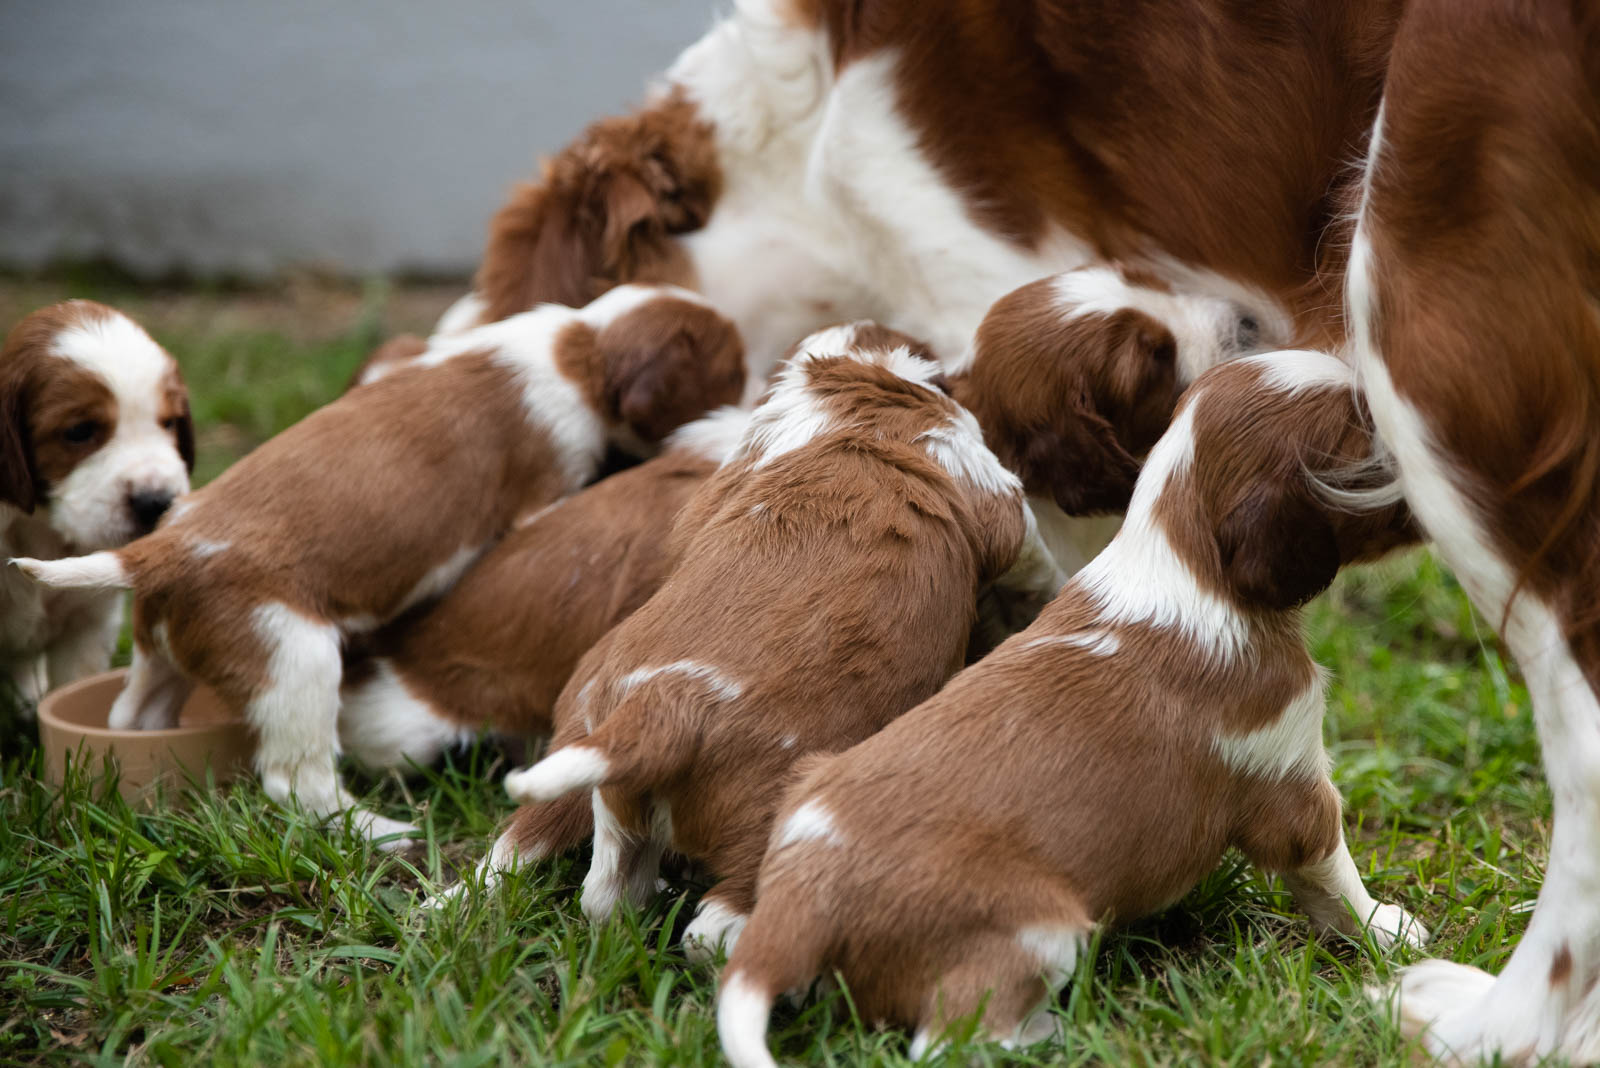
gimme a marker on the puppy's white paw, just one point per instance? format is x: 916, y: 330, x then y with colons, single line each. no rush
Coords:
x: 1390, y: 925
x: 391, y: 836
x: 715, y: 926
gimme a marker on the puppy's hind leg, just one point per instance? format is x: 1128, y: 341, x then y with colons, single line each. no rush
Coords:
x: 534, y: 833
x: 152, y: 696
x: 630, y: 834
x: 295, y: 714
x: 1297, y: 818
x: 718, y: 922
x: 1014, y: 981
x: 1332, y: 894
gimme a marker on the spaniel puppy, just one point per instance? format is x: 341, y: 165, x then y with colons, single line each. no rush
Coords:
x: 95, y: 443
x: 380, y: 501
x: 495, y: 651
x: 1073, y: 378
x: 1092, y: 769
x: 827, y: 583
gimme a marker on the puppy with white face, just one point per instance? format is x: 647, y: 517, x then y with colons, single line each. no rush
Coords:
x: 379, y: 501
x: 96, y: 442
x: 1093, y: 768
x: 826, y: 583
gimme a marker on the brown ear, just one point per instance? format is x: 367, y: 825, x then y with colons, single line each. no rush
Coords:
x: 626, y: 208
x: 1278, y: 549
x: 536, y: 252
x: 670, y: 363
x: 18, y: 484
x: 1000, y: 529
x: 185, y: 434
x: 1077, y: 460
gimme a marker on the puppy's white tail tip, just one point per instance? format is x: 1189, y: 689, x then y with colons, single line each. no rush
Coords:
x: 577, y: 767
x: 742, y: 1012
x: 97, y: 571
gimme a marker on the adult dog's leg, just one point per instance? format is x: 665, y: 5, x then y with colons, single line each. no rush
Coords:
x: 1474, y: 317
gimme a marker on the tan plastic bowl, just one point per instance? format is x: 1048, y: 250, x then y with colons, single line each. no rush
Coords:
x: 72, y: 725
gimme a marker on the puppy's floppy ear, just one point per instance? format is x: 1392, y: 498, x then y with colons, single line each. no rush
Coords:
x: 18, y: 485
x: 1076, y: 459
x: 669, y: 363
x: 185, y: 434
x: 1277, y: 547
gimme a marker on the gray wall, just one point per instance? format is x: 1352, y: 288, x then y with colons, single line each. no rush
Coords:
x: 245, y: 136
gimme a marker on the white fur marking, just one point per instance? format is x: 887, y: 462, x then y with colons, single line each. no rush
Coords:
x: 1140, y: 579
x: 810, y: 822
x: 713, y: 437
x: 1098, y: 642
x: 1289, y: 748
x: 721, y: 687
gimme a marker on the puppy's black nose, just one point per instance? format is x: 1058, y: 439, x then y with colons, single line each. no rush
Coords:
x: 148, y: 506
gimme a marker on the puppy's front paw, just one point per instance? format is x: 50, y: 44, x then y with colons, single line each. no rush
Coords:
x: 1390, y: 925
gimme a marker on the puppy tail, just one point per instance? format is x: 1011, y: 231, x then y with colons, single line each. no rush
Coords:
x: 97, y: 571
x: 779, y: 950
x: 637, y: 747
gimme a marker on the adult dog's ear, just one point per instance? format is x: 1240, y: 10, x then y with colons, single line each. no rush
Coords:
x: 603, y: 212
x: 1277, y: 548
x: 19, y: 485
x: 536, y: 252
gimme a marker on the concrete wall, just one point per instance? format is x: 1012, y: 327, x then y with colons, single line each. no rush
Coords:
x: 243, y: 136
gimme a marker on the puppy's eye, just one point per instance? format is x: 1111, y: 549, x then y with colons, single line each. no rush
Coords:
x: 79, y: 433
x: 169, y: 423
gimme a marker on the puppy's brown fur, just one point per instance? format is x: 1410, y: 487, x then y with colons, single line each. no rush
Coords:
x: 495, y: 651
x: 1096, y: 765
x: 827, y: 583
x: 380, y: 500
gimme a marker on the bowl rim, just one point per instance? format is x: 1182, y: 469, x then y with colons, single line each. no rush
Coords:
x: 47, y: 714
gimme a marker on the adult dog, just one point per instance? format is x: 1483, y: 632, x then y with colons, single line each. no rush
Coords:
x: 915, y: 159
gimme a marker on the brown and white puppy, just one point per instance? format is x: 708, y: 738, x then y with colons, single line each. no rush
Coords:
x: 495, y: 652
x: 397, y: 352
x: 1092, y: 769
x: 1073, y: 377
x: 827, y: 583
x: 96, y: 442
x: 379, y: 501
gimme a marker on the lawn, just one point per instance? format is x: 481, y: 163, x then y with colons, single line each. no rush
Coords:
x: 222, y: 929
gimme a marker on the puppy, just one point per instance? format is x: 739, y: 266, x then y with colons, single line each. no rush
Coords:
x: 1097, y: 765
x: 381, y: 500
x: 827, y: 583
x: 1073, y: 378
x: 96, y: 441
x: 399, y: 351
x: 495, y: 651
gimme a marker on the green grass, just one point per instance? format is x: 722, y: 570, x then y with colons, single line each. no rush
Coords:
x: 227, y: 931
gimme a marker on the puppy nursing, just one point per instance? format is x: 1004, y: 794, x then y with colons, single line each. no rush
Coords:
x: 95, y: 443
x: 381, y: 500
x: 1096, y: 765
x: 826, y: 583
x: 496, y: 650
